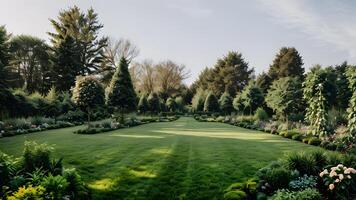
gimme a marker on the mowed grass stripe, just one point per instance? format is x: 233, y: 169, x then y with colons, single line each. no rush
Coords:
x: 184, y: 159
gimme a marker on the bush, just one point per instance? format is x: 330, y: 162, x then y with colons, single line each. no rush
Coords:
x: 28, y: 192
x: 302, y: 162
x: 303, y: 182
x: 307, y: 194
x: 314, y: 141
x: 297, y: 137
x: 73, y: 116
x: 5, y: 169
x: 36, y: 156
x: 261, y: 114
x: 278, y: 178
x: 55, y: 186
x: 18, y: 123
x: 290, y: 134
x: 235, y: 195
x: 76, y: 186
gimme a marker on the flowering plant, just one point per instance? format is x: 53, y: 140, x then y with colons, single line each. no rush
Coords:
x: 339, y: 180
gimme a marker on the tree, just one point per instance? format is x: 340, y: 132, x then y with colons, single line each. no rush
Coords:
x: 30, y: 61
x: 84, y: 29
x: 225, y: 103
x: 199, y: 100
x: 203, y: 79
x: 88, y: 93
x: 143, y: 104
x: 169, y: 77
x: 65, y: 64
x: 238, y: 103
x: 171, y: 104
x: 285, y: 96
x: 153, y: 103
x: 121, y: 94
x: 113, y: 52
x: 4, y: 55
x: 252, y: 97
x: 351, y: 74
x: 144, y: 76
x: 343, y: 92
x: 229, y: 74
x: 288, y: 62
x: 179, y: 101
x: 264, y: 81
x: 211, y: 103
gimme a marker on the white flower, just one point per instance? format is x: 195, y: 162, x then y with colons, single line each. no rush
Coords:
x: 337, y: 180
x: 331, y: 186
x: 332, y: 174
x: 348, y: 176
x: 341, y: 176
x: 340, y: 166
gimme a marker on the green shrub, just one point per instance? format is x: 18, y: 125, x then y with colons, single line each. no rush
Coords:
x: 297, y: 137
x: 235, y: 195
x: 36, y: 156
x: 278, y: 178
x: 76, y: 187
x: 314, y: 141
x: 303, y: 182
x: 5, y: 169
x: 290, y: 134
x: 304, y: 163
x: 18, y: 123
x: 261, y: 115
x: 56, y: 186
x: 306, y: 140
x: 307, y: 194
x: 282, y: 133
x: 28, y: 192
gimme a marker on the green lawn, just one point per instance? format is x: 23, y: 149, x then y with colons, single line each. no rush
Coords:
x: 184, y: 159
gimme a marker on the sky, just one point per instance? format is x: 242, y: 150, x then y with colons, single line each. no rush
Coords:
x: 198, y: 32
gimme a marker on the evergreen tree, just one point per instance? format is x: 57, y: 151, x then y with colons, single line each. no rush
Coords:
x: 252, y: 97
x: 264, y: 81
x: 199, y: 100
x: 230, y: 74
x: 84, y: 29
x: 121, y: 94
x: 143, y: 104
x: 238, y: 103
x: 343, y: 92
x: 225, y: 103
x: 4, y: 55
x: 351, y: 74
x: 153, y: 103
x: 65, y: 64
x: 285, y: 96
x: 211, y: 103
x: 288, y: 62
x: 171, y: 104
x: 87, y: 94
x: 179, y: 103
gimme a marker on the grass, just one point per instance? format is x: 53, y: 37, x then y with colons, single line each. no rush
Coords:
x: 184, y: 159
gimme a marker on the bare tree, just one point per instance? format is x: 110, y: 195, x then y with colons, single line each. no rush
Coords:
x: 169, y: 76
x: 143, y: 76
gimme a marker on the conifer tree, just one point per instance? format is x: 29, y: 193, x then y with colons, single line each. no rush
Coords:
x: 121, y: 94
x: 142, y: 106
x: 153, y: 103
x: 171, y: 104
x: 351, y: 74
x: 211, y: 103
x: 225, y: 103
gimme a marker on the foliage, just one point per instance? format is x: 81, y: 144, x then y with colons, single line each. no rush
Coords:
x: 88, y: 93
x: 304, y: 163
x: 153, y: 103
x: 307, y: 194
x: 285, y: 96
x: 120, y: 93
x: 235, y: 195
x: 179, y: 101
x: 171, y: 104
x: 303, y: 182
x: 261, y: 115
x: 288, y: 62
x: 252, y: 97
x: 225, y: 103
x: 241, y: 190
x: 351, y: 73
x: 198, y: 100
x: 142, y: 106
x: 211, y: 103
x: 36, y: 156
x: 56, y: 186
x: 28, y: 192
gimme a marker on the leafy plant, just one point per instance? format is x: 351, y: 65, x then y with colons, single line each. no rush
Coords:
x: 303, y: 182
x: 307, y: 194
x: 55, y: 185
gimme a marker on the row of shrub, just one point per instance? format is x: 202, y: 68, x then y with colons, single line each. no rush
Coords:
x: 340, y: 141
x: 36, y: 175
x: 110, y: 125
x: 17, y: 126
x: 314, y: 175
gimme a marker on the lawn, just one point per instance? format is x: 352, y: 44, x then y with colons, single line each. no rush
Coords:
x: 184, y: 159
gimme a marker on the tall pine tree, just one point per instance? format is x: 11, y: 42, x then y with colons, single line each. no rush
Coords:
x: 121, y: 94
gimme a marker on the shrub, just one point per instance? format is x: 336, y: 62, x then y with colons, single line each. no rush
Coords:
x: 235, y: 195
x: 55, y: 186
x: 76, y: 186
x: 261, y: 114
x: 5, y: 169
x: 290, y: 134
x: 18, y: 123
x: 73, y: 116
x: 278, y: 178
x: 297, y: 137
x: 307, y: 194
x: 302, y: 162
x: 303, y: 182
x: 314, y: 141
x: 340, y: 181
x: 28, y: 192
x: 36, y: 156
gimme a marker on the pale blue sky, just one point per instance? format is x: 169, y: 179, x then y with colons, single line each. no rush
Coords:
x: 197, y: 32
